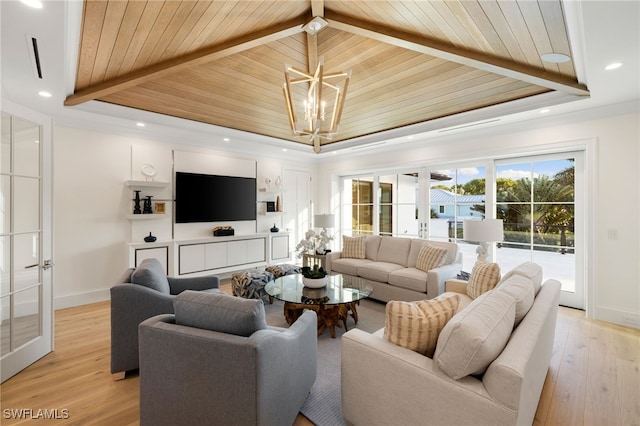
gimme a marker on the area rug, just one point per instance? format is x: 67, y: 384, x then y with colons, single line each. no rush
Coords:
x: 323, y: 406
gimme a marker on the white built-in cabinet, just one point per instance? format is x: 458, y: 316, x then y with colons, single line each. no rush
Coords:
x: 214, y: 255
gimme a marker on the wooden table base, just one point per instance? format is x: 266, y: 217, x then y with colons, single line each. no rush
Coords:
x: 329, y: 316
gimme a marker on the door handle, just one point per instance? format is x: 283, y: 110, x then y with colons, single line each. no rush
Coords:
x: 46, y: 265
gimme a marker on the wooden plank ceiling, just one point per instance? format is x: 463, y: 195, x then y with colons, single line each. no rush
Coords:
x: 222, y: 62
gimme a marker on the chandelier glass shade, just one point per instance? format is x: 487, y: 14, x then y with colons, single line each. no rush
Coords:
x: 315, y: 101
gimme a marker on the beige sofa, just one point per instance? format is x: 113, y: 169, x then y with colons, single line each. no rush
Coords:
x: 389, y: 267
x: 384, y: 384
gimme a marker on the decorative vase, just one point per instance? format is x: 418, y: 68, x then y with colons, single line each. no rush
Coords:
x: 147, y: 206
x: 275, y: 228
x: 314, y: 282
x: 149, y: 238
x: 136, y: 207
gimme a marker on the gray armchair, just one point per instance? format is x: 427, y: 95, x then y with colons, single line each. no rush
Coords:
x: 141, y: 293
x: 216, y: 362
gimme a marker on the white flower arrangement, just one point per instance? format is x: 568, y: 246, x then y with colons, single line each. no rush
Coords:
x: 314, y: 242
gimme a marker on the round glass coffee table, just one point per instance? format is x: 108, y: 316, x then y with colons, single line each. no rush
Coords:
x: 333, y: 303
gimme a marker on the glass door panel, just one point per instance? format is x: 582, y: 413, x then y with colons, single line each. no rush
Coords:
x: 25, y: 304
x: 537, y: 201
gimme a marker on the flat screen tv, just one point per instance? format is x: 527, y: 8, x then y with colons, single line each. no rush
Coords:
x: 214, y: 198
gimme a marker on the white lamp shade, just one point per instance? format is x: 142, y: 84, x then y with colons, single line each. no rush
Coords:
x: 324, y: 220
x: 483, y: 230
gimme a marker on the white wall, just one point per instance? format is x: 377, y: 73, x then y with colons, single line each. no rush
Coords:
x: 91, y: 200
x: 613, y: 292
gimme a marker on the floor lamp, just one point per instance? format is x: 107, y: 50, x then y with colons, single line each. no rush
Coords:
x: 484, y: 232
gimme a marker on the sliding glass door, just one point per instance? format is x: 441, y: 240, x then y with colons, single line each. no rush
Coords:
x: 541, y: 201
x: 539, y: 198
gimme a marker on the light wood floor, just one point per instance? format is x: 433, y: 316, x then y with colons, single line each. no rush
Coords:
x: 594, y: 377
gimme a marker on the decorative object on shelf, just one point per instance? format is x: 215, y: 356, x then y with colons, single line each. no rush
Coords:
x: 314, y: 276
x: 149, y: 172
x: 147, y: 206
x: 150, y: 238
x: 274, y: 228
x: 223, y: 231
x: 278, y: 206
x: 267, y: 181
x: 136, y: 207
x: 483, y: 231
x: 271, y: 206
x: 313, y: 243
x: 160, y: 207
x: 278, y: 182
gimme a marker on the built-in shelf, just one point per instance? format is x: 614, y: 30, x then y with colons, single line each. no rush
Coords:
x: 271, y: 213
x: 145, y: 216
x: 270, y: 190
x: 145, y: 184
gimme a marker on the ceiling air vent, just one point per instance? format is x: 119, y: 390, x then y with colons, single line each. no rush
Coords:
x: 32, y: 47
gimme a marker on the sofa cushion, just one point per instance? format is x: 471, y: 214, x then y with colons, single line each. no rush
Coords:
x: 474, y: 337
x: 484, y: 277
x: 431, y: 257
x: 353, y: 247
x: 378, y: 271
x: 348, y: 266
x: 409, y: 278
x: 219, y: 312
x: 394, y: 250
x: 530, y: 270
x: 416, y: 325
x: 521, y: 289
x: 463, y: 300
x: 372, y: 244
x: 150, y: 274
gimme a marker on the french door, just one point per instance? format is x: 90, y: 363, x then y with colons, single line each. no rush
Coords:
x: 25, y: 239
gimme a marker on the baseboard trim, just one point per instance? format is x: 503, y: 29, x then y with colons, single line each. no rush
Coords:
x: 78, y: 299
x: 615, y: 316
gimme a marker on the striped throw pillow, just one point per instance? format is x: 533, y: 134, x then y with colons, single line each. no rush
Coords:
x: 353, y: 247
x: 484, y: 277
x: 417, y: 325
x: 431, y: 257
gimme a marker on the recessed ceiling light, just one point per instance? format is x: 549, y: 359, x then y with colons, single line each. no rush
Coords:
x: 226, y: 139
x: 613, y: 66
x: 36, y: 4
x: 409, y: 137
x: 544, y: 111
x: 140, y: 124
x: 44, y: 94
x: 284, y: 150
x: 556, y: 58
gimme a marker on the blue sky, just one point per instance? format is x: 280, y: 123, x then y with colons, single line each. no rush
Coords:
x: 513, y: 171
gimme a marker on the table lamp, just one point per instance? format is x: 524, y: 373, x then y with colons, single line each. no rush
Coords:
x: 324, y: 221
x: 484, y: 232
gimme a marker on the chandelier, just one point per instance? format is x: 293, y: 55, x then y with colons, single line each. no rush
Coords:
x: 315, y: 101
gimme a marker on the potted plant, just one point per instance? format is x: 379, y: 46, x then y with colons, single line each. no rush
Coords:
x: 314, y: 276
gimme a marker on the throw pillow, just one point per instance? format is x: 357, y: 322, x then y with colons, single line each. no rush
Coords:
x: 484, y: 277
x: 417, y: 325
x: 522, y: 290
x: 219, y: 312
x: 473, y: 338
x: 430, y: 257
x: 151, y: 274
x: 353, y: 247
